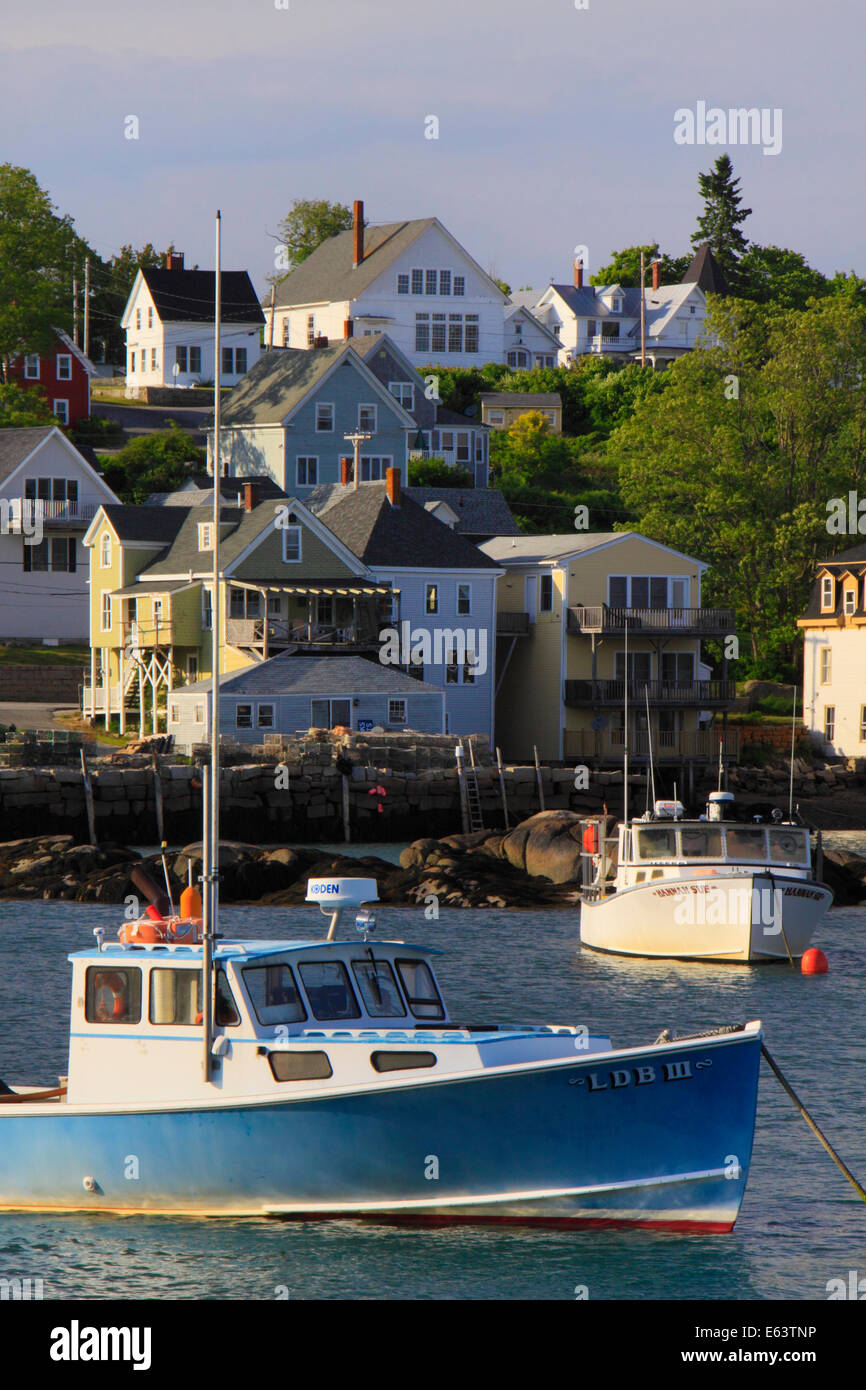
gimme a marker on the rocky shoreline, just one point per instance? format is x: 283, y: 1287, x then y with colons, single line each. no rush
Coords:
x: 534, y: 865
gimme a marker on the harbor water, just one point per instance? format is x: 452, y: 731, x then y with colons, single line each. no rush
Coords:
x: 801, y: 1224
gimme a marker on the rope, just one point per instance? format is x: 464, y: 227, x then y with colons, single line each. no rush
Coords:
x: 861, y: 1193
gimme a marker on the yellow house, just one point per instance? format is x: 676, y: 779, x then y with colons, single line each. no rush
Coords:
x: 575, y: 614
x: 499, y: 409
x: 286, y: 581
x: 834, y: 694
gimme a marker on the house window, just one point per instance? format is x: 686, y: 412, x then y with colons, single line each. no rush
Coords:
x: 227, y: 360
x: 105, y: 614
x: 850, y: 602
x: 450, y: 667
x: 265, y: 717
x: 367, y: 419
x: 469, y: 668
x: 64, y: 366
x: 430, y: 282
x: 205, y: 535
x: 827, y: 591
x: 198, y: 713
x: 311, y: 329
x: 330, y: 714
x: 496, y: 417
x: 446, y: 441
x: 397, y: 712
x: 291, y: 544
x: 545, y: 593
x: 61, y: 410
x: 307, y: 470
x: 373, y: 467
x: 404, y: 392
x: 684, y: 328
x: 206, y: 609
x: 863, y: 723
x: 153, y: 359
x: 105, y: 551
x: 616, y: 305
x: 417, y: 281
x: 57, y: 554
x: 181, y: 358
x: 464, y: 598
x: 138, y: 318
x: 158, y: 619
x: 195, y: 359
x: 422, y: 332
x: 415, y: 669
x: 240, y: 361
x: 191, y: 670
x: 403, y: 283
x: 243, y: 716
x: 459, y: 284
x: 286, y: 332
x: 455, y: 332
x: 826, y: 665
x: 445, y: 282
x: 678, y: 668
x: 431, y: 598
x: 31, y: 366
x: 471, y: 340
x: 518, y: 359
x: 324, y: 417
x: 132, y: 362
x: 830, y: 723
x: 150, y: 316
x: 438, y: 336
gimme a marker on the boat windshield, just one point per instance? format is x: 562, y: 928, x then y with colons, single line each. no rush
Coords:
x: 658, y: 842
x: 273, y: 993
x: 746, y: 842
x: 789, y: 845
x: 701, y: 842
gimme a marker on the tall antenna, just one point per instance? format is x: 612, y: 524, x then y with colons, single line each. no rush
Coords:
x: 649, y: 730
x: 625, y: 738
x: 793, y: 741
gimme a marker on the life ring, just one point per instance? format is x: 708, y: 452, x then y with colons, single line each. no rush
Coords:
x: 188, y: 929
x: 110, y: 998
x: 144, y: 932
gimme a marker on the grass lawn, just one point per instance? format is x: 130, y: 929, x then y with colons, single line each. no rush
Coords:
x: 45, y: 656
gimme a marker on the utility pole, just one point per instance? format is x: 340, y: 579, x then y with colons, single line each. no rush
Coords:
x: 75, y: 310
x: 87, y: 306
x: 355, y: 441
x: 642, y: 310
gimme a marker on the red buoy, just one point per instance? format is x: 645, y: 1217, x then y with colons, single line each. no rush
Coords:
x: 814, y: 962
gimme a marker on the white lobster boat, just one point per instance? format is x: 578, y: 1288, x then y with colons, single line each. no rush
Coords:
x: 710, y: 889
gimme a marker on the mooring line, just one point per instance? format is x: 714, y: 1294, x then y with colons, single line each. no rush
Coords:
x: 861, y: 1193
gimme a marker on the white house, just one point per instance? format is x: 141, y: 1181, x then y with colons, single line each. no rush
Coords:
x: 412, y: 280
x: 169, y: 323
x: 48, y: 495
x: 526, y: 341
x: 605, y: 319
x: 834, y: 656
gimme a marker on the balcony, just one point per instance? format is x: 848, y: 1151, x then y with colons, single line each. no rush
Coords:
x: 250, y: 633
x: 32, y: 512
x: 607, y: 745
x: 650, y: 622
x: 602, y: 343
x: 600, y: 693
x: 512, y: 624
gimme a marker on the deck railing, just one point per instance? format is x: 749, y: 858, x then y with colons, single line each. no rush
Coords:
x: 673, y: 693
x: 676, y: 621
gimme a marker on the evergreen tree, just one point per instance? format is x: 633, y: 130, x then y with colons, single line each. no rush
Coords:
x: 719, y: 224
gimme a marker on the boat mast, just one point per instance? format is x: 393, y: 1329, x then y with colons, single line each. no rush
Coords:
x: 211, y: 873
x: 793, y: 743
x: 625, y: 747
x: 649, y: 731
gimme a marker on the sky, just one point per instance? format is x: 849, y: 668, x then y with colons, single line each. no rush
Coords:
x: 555, y: 123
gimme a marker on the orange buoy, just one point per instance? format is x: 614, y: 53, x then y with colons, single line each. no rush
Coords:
x: 190, y: 902
x: 814, y: 962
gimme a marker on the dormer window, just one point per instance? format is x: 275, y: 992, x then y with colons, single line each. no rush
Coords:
x: 616, y: 305
x: 850, y: 602
x: 826, y: 591
x: 205, y: 535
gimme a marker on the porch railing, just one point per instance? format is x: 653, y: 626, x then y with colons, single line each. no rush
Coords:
x: 673, y: 693
x: 675, y: 621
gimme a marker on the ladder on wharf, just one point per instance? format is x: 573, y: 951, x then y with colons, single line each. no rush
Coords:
x: 470, y: 795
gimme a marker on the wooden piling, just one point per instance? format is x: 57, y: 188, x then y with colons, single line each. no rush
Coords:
x: 538, y: 779
x: 502, y: 789
x: 88, y: 799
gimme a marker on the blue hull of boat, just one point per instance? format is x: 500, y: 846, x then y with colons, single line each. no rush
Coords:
x: 661, y: 1137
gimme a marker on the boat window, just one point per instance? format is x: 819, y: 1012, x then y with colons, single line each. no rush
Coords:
x: 401, y: 1061
x: 660, y: 842
x: 112, y: 996
x: 788, y: 846
x: 175, y: 996
x: 375, y: 980
x: 300, y: 1066
x: 274, y: 994
x: 746, y: 842
x: 225, y: 1009
x: 701, y: 842
x: 420, y: 989
x: 640, y: 876
x: 328, y: 989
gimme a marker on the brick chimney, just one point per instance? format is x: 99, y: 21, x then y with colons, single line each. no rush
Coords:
x: 657, y: 274
x: 392, y: 486
x: 578, y: 275
x: 320, y: 340
x: 346, y: 471
x: 174, y: 260
x: 357, y: 234
x: 348, y: 328
x: 251, y: 496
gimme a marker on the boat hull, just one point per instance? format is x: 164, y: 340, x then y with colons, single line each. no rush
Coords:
x: 755, y: 916
x: 658, y: 1137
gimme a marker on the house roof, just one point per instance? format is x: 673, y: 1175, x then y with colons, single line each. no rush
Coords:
x: 277, y: 382
x: 76, y: 352
x: 530, y: 400
x: 156, y: 524
x: 288, y: 674
x: 201, y: 493
x: 188, y: 296
x: 328, y: 275
x: 17, y: 444
x: 857, y: 554
x: 533, y: 550
x: 481, y: 511
x: 853, y: 559
x: 383, y: 535
x: 238, y: 529
x: 705, y: 272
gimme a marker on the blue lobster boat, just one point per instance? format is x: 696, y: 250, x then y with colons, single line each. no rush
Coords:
x: 338, y: 1085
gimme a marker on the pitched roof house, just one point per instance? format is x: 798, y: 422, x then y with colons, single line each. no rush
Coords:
x: 169, y: 319
x: 834, y: 655
x: 62, y: 375
x: 412, y: 280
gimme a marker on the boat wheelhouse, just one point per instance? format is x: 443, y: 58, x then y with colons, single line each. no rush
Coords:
x: 713, y: 888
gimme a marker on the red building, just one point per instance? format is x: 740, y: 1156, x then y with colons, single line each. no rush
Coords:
x: 63, y: 375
